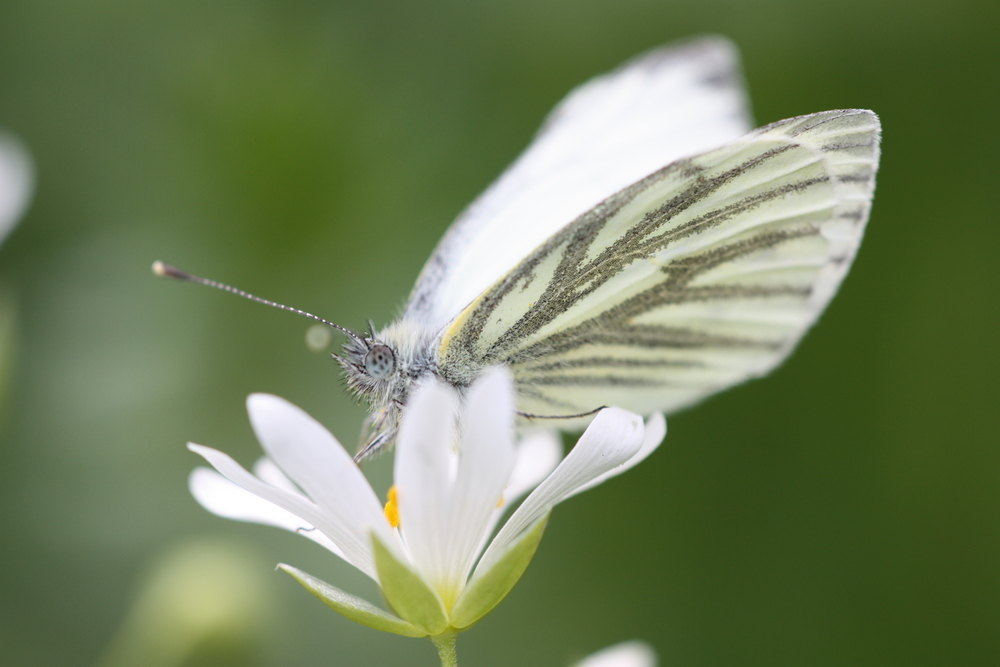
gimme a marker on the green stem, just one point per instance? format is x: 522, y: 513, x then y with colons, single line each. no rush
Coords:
x: 445, y: 643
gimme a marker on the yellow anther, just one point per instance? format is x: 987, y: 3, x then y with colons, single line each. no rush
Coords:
x: 392, y: 508
x: 500, y: 502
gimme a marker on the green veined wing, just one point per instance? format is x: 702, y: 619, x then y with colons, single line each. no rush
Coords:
x: 702, y: 275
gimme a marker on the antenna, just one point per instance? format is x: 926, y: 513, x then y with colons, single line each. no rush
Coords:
x: 167, y: 271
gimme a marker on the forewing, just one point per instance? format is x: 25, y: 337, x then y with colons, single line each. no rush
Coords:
x: 699, y: 276
x: 607, y: 134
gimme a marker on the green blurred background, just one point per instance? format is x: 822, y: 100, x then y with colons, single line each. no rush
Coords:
x: 844, y: 511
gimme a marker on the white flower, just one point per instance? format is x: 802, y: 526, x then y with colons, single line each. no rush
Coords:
x: 627, y: 654
x: 16, y: 182
x: 456, y: 469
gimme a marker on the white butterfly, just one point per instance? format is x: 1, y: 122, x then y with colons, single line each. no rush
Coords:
x: 645, y: 251
x: 602, y: 277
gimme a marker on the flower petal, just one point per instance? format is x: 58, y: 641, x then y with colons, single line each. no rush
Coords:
x: 612, y: 438
x: 223, y: 498
x: 313, y: 459
x: 295, y: 503
x: 486, y: 459
x: 16, y: 181
x: 656, y: 430
x: 268, y: 471
x: 627, y: 654
x: 538, y: 454
x: 423, y: 475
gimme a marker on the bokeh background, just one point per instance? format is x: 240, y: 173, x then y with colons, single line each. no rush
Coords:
x: 844, y: 511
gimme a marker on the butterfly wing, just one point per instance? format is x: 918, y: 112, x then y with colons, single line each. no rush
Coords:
x: 704, y: 274
x: 604, y: 136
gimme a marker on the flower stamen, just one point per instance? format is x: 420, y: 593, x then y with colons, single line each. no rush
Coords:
x: 392, y: 507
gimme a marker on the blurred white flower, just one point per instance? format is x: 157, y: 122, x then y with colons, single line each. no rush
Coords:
x: 17, y: 178
x: 627, y: 654
x: 457, y: 468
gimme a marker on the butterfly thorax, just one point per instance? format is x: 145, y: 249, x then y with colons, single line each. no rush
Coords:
x: 382, y: 368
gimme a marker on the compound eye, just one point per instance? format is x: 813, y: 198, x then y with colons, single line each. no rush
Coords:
x: 380, y: 362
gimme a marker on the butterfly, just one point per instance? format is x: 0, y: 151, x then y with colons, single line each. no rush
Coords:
x: 645, y: 251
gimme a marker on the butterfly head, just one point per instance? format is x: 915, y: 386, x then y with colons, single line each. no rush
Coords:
x: 382, y: 368
x: 369, y: 365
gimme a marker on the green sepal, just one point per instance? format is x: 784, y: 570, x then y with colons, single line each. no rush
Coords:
x: 407, y: 592
x: 354, y: 608
x: 487, y: 589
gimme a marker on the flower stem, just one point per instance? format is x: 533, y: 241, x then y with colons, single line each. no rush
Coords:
x: 445, y: 643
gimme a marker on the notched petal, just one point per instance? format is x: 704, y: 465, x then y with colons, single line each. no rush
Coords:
x: 655, y: 431
x: 612, y: 438
x: 538, y: 454
x: 224, y: 498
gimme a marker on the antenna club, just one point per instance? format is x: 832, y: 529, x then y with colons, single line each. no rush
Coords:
x: 167, y: 271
